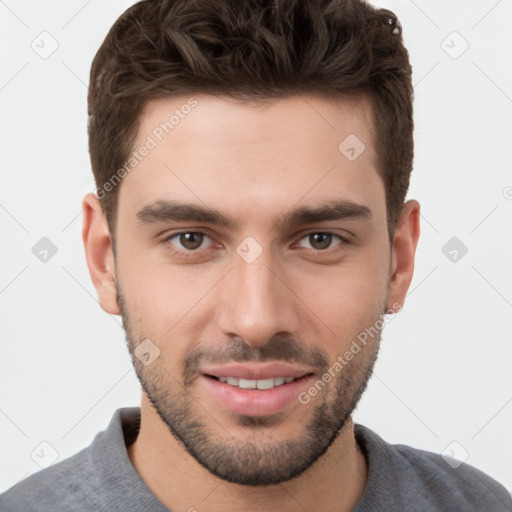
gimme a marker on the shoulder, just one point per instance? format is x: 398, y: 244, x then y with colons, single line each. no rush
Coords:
x: 438, y: 478
x: 67, y: 485
x: 99, y: 477
x: 429, y: 480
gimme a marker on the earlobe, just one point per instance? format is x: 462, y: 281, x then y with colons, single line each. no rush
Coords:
x: 404, y: 246
x: 99, y: 253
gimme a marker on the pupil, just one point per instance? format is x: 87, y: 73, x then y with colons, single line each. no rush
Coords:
x: 191, y: 240
x: 320, y: 240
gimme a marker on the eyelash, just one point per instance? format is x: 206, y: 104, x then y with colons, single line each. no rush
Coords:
x: 189, y: 253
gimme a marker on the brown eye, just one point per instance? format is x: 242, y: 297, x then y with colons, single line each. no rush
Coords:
x: 194, y: 245
x: 191, y: 240
x: 320, y: 240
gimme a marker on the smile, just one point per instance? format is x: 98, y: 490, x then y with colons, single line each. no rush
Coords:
x: 256, y: 384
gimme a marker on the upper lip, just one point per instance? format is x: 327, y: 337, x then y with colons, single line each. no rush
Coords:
x: 257, y: 371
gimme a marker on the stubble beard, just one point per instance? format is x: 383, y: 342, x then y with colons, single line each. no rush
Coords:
x: 266, y: 462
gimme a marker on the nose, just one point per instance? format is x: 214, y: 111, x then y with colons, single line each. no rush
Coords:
x: 256, y: 301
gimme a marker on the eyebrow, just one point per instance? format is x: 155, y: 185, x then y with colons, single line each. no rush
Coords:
x: 171, y: 211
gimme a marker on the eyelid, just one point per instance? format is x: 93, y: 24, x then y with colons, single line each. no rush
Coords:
x: 167, y: 238
x: 343, y: 240
x: 344, y: 234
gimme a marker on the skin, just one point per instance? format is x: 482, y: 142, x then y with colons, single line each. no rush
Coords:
x: 253, y: 163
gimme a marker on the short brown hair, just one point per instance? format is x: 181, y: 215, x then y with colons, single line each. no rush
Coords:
x: 249, y: 50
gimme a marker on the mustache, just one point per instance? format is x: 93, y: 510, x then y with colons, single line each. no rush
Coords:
x: 278, y: 348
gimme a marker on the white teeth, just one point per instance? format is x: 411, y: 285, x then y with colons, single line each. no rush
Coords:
x: 256, y: 384
x: 247, y: 384
x: 265, y: 383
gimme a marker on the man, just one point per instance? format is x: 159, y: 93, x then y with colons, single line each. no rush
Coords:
x: 252, y: 161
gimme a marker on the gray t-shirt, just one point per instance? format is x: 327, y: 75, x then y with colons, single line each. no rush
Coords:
x: 101, y: 477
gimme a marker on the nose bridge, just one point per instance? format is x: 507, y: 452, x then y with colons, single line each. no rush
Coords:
x: 256, y: 304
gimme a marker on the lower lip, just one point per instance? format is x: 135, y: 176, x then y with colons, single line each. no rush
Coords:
x: 256, y: 402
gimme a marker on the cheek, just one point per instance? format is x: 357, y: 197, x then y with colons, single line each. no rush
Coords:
x: 346, y: 299
x: 165, y: 303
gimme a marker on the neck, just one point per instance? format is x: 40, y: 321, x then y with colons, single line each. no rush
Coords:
x: 334, y: 482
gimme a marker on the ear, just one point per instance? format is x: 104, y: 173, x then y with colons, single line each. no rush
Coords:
x: 404, y: 245
x: 99, y: 253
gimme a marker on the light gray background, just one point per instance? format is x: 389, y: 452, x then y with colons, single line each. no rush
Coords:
x: 444, y: 372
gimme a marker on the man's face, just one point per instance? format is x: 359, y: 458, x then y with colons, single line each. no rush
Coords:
x: 264, y: 296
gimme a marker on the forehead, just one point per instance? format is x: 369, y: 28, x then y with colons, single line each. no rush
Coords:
x: 286, y: 120
x: 272, y: 154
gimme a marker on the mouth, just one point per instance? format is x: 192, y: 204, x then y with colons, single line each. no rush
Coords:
x: 262, y: 384
x: 256, y: 389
